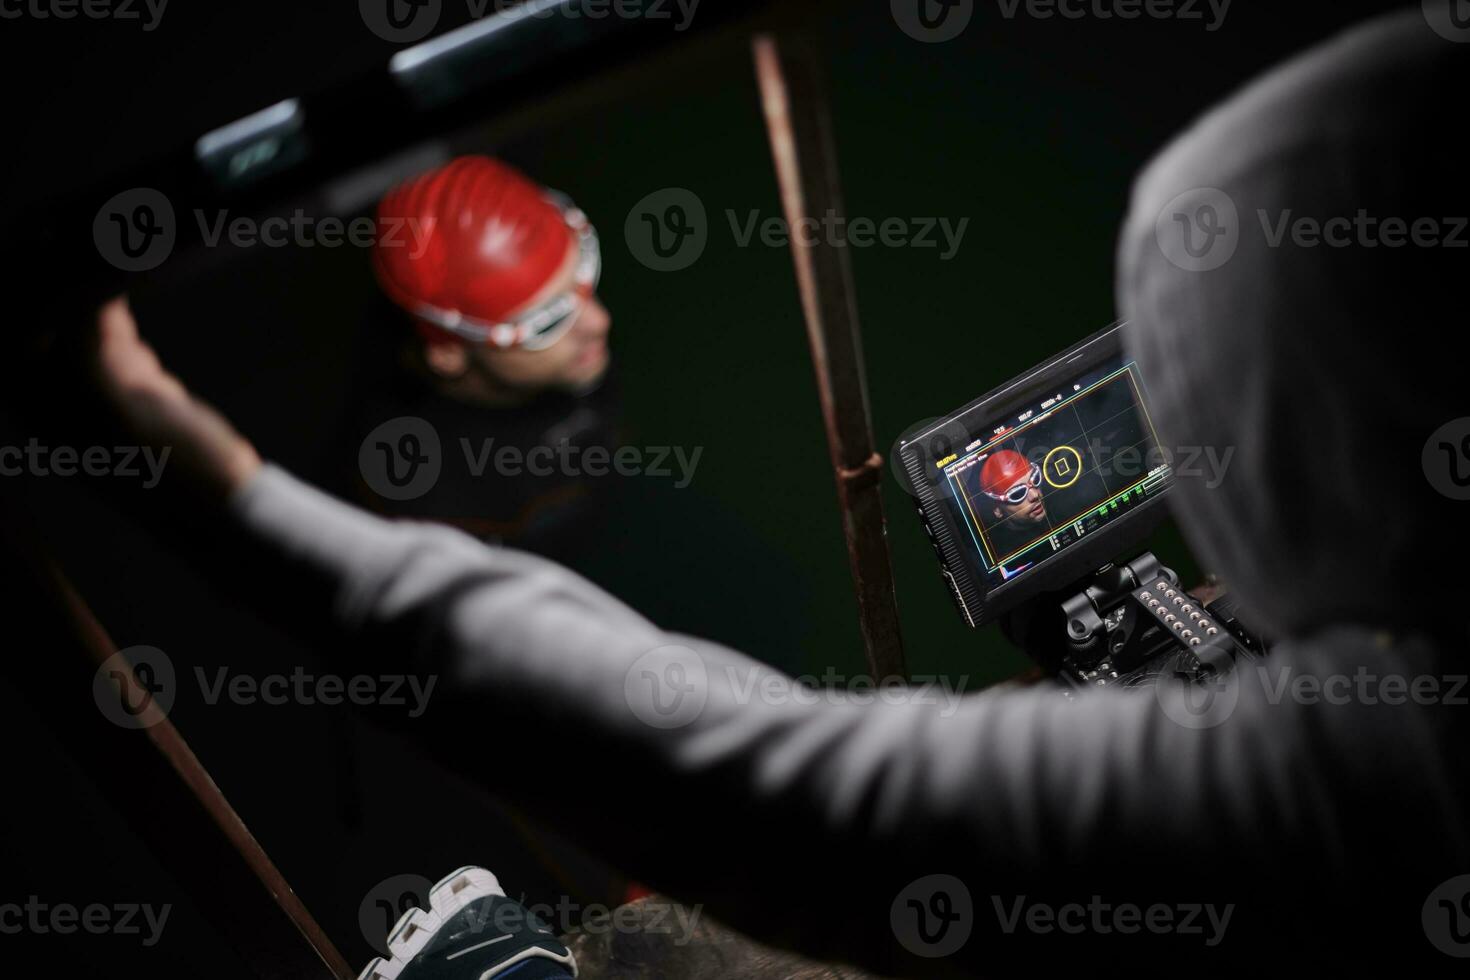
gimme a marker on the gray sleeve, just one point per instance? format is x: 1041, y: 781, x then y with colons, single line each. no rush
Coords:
x: 712, y: 778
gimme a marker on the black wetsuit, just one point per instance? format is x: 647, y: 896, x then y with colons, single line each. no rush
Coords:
x: 516, y: 476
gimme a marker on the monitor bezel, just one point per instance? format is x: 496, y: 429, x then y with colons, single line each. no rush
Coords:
x: 979, y: 604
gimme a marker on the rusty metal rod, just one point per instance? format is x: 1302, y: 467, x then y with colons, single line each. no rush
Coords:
x: 157, y: 781
x: 800, y: 131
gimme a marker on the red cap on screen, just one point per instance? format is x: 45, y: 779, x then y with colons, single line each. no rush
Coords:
x: 1003, y: 471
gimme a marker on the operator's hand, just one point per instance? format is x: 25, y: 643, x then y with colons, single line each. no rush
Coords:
x: 156, y: 408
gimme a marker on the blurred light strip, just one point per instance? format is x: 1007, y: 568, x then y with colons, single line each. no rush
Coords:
x: 409, y: 60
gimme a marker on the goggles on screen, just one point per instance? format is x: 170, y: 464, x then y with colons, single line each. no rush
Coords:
x: 1018, y: 493
x: 546, y: 323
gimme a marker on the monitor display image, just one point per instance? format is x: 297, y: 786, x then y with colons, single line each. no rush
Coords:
x: 1041, y: 479
x: 1051, y: 464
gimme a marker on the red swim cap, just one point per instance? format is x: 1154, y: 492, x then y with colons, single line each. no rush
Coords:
x: 474, y: 236
x: 1002, y: 472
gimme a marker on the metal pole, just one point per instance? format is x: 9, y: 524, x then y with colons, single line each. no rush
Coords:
x: 155, y: 779
x: 800, y: 131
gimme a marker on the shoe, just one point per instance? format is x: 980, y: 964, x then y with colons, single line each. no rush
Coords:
x: 471, y: 931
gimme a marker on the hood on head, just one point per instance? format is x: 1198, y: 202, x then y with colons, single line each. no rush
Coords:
x: 1327, y: 367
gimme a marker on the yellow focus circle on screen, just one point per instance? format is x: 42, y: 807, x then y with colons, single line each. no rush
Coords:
x: 1076, y: 473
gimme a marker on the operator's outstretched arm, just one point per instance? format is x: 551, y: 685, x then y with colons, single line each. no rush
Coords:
x: 692, y: 767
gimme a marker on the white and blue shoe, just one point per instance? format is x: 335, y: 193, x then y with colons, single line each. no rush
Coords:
x: 471, y: 931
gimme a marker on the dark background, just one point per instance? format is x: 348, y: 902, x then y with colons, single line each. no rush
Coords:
x: 1030, y: 128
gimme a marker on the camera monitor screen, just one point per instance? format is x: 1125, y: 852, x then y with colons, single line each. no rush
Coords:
x: 1040, y: 482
